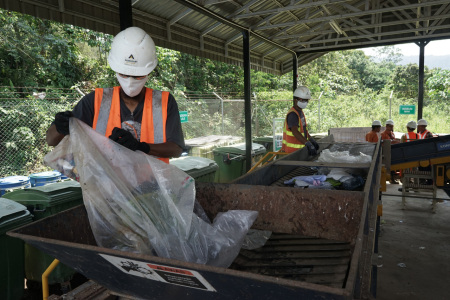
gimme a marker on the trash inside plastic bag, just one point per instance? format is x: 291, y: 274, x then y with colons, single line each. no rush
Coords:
x: 351, y: 183
x: 315, y: 180
x: 140, y: 204
x: 256, y: 239
x: 343, y: 157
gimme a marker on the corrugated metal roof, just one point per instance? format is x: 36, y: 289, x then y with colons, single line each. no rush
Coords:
x: 278, y: 28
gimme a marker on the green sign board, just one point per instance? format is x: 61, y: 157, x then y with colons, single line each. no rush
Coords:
x: 407, y: 109
x: 184, y: 116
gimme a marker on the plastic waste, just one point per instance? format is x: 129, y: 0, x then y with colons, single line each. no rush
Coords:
x: 351, y: 183
x: 256, y: 239
x: 138, y: 203
x: 343, y: 157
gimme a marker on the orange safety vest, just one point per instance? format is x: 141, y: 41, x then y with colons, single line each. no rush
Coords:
x: 411, y: 136
x: 290, y: 142
x: 423, y: 135
x: 154, y: 115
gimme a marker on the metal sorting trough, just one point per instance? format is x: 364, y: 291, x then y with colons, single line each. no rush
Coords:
x: 321, y: 247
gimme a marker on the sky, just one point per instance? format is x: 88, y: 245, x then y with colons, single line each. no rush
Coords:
x: 437, y: 48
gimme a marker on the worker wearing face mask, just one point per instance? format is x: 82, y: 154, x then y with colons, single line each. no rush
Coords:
x: 132, y: 115
x: 295, y: 132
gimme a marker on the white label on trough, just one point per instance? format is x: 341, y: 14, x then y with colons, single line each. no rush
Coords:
x: 183, y: 277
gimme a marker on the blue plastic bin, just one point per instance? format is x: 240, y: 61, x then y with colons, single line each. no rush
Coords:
x: 43, y: 178
x: 10, y: 183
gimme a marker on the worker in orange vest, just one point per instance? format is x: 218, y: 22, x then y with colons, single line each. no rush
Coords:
x: 137, y: 117
x: 422, y: 131
x: 388, y: 133
x: 374, y: 135
x: 410, y: 135
x: 295, y: 131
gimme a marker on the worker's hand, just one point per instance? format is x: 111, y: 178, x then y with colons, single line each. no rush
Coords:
x: 311, y: 150
x: 126, y: 139
x: 313, y: 141
x: 62, y: 122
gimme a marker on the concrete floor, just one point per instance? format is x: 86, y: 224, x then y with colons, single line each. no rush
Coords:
x: 414, y: 248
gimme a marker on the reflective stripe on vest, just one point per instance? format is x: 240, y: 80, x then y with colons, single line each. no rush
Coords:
x: 154, y: 115
x: 411, y: 136
x: 422, y: 135
x: 290, y: 142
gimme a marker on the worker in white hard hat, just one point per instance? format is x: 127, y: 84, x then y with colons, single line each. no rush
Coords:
x: 422, y: 131
x: 410, y: 135
x: 373, y: 136
x: 130, y: 114
x: 295, y: 131
x: 388, y: 134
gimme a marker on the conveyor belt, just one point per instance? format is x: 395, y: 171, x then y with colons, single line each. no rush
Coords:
x: 295, y: 257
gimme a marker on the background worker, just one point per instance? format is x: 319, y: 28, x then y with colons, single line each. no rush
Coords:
x: 410, y: 135
x: 422, y: 131
x: 374, y: 135
x: 295, y: 131
x: 388, y: 134
x: 132, y: 115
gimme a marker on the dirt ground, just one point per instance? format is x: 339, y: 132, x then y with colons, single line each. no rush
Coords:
x: 414, y: 248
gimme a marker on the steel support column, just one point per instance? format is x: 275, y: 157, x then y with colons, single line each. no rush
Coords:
x: 247, y: 99
x: 294, y: 72
x: 421, y: 45
x: 126, y: 14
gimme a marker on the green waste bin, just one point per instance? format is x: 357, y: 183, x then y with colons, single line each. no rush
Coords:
x: 44, y: 201
x: 200, y: 168
x: 12, y: 215
x: 203, y: 146
x: 231, y: 161
x: 267, y: 142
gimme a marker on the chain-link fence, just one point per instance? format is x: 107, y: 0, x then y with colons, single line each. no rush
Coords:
x: 27, y: 113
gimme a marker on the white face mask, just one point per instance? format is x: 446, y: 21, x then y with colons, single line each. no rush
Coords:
x: 302, y: 105
x: 131, y: 86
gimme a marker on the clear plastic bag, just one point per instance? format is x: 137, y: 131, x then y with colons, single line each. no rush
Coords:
x: 140, y: 204
x: 343, y: 157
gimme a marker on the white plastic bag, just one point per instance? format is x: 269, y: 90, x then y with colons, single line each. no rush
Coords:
x: 138, y: 203
x: 343, y: 157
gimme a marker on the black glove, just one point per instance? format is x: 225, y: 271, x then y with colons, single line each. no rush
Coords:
x: 313, y: 141
x: 126, y: 139
x: 62, y: 122
x: 311, y: 150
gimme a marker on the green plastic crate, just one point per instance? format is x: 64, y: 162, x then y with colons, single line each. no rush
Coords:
x: 200, y: 168
x: 231, y: 161
x: 44, y: 201
x: 12, y: 215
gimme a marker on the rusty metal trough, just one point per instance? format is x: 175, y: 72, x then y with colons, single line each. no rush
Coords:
x: 321, y: 248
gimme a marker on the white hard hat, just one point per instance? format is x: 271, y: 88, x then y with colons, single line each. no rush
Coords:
x: 376, y: 123
x: 422, y: 122
x: 302, y: 92
x: 411, y: 124
x: 133, y: 53
x: 390, y: 122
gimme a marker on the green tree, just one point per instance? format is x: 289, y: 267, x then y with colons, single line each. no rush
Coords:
x: 404, y: 80
x: 439, y: 85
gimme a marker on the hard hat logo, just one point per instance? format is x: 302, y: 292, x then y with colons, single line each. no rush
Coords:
x: 130, y: 60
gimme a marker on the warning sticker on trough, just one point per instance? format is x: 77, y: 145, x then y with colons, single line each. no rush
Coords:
x: 171, y: 275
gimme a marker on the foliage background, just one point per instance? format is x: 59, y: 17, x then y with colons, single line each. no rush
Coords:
x: 63, y: 61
